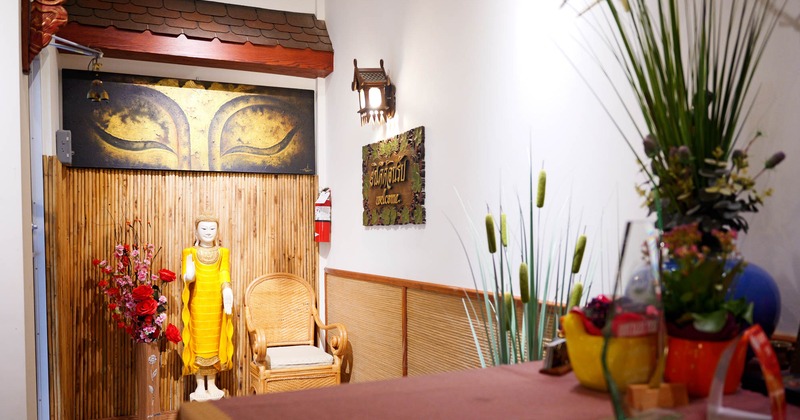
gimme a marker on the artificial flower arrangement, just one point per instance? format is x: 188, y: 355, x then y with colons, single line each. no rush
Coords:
x: 695, y: 280
x: 129, y: 284
x: 631, y: 318
x: 696, y: 284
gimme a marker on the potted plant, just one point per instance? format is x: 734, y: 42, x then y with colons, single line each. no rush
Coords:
x: 690, y: 65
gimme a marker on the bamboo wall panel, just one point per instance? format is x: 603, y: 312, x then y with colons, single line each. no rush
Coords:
x: 439, y: 336
x: 432, y: 324
x: 372, y: 314
x: 265, y: 220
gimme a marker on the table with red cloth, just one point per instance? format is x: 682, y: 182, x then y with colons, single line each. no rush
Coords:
x: 513, y: 392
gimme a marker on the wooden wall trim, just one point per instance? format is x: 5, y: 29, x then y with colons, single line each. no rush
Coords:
x: 25, y: 34
x: 405, y: 330
x: 417, y: 285
x: 411, y: 284
x: 145, y: 46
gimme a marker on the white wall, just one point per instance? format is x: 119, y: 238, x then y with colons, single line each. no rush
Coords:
x: 485, y: 79
x: 774, y: 238
x: 485, y: 76
x: 17, y: 388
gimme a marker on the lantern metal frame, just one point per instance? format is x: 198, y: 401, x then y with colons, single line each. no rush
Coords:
x: 96, y: 93
x: 376, y: 94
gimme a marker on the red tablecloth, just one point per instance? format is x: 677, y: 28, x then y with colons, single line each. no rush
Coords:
x: 508, y: 392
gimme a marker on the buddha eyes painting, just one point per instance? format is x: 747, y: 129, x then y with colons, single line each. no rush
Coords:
x: 173, y: 124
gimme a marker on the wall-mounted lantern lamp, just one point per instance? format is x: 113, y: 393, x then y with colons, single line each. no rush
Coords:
x: 376, y: 100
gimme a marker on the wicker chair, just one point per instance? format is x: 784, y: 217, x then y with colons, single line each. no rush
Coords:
x: 282, y: 321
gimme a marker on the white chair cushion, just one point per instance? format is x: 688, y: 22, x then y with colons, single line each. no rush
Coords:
x: 296, y: 356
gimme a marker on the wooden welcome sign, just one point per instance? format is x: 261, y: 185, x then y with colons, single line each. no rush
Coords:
x: 393, y: 180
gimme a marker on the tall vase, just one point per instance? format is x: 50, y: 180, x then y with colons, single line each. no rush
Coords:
x: 147, y: 366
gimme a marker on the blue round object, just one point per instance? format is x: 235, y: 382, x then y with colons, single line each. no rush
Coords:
x: 757, y: 286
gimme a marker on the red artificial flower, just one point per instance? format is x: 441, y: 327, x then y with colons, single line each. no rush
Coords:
x: 102, y: 284
x: 148, y: 319
x: 146, y: 307
x: 166, y: 276
x: 96, y: 262
x: 173, y: 334
x: 112, y: 291
x: 125, y: 260
x: 121, y: 324
x: 108, y: 269
x: 129, y: 330
x: 112, y: 306
x: 142, y: 292
x: 115, y: 316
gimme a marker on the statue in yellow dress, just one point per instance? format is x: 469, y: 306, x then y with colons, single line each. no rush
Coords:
x: 207, y: 306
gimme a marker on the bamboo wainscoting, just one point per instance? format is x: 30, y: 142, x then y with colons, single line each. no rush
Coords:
x: 267, y: 221
x: 399, y: 327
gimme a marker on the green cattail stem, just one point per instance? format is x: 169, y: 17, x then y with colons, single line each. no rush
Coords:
x: 541, y: 189
x: 490, y: 234
x: 509, y: 302
x: 503, y: 230
x: 575, y: 296
x: 523, y: 283
x: 577, y: 258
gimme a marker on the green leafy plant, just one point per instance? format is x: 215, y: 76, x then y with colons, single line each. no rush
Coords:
x: 690, y: 65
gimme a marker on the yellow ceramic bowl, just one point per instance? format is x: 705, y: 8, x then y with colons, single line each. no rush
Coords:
x: 631, y: 360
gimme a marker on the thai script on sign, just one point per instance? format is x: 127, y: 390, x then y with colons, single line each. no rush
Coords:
x: 384, y: 174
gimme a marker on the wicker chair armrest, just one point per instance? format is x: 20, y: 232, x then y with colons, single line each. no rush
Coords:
x: 258, y: 343
x: 337, y: 342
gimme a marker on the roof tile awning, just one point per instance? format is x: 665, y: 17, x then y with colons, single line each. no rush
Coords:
x: 203, y: 33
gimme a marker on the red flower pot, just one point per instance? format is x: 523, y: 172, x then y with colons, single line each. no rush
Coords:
x: 694, y: 362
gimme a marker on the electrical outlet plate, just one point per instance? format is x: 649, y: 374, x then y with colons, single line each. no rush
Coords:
x: 64, y: 146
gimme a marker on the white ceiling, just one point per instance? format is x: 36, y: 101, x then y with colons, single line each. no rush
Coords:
x: 300, y: 6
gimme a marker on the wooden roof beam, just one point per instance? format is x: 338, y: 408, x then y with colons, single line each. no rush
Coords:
x: 146, y: 46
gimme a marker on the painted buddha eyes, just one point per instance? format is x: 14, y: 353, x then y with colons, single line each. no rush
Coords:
x: 142, y: 125
x: 254, y: 130
x: 165, y: 126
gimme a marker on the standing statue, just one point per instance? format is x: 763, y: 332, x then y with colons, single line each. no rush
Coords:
x: 207, y: 306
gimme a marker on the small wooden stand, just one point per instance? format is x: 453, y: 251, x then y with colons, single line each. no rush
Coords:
x: 641, y: 397
x: 556, y: 359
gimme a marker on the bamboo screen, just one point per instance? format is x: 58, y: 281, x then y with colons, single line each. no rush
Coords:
x: 439, y: 335
x: 372, y: 314
x: 265, y: 220
x: 403, y: 327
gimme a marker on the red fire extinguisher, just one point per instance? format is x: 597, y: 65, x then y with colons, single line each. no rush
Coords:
x: 322, y: 216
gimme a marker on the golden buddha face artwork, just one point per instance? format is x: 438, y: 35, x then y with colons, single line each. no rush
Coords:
x: 174, y: 124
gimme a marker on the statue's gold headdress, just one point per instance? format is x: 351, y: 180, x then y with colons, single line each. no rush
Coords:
x: 205, y: 217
